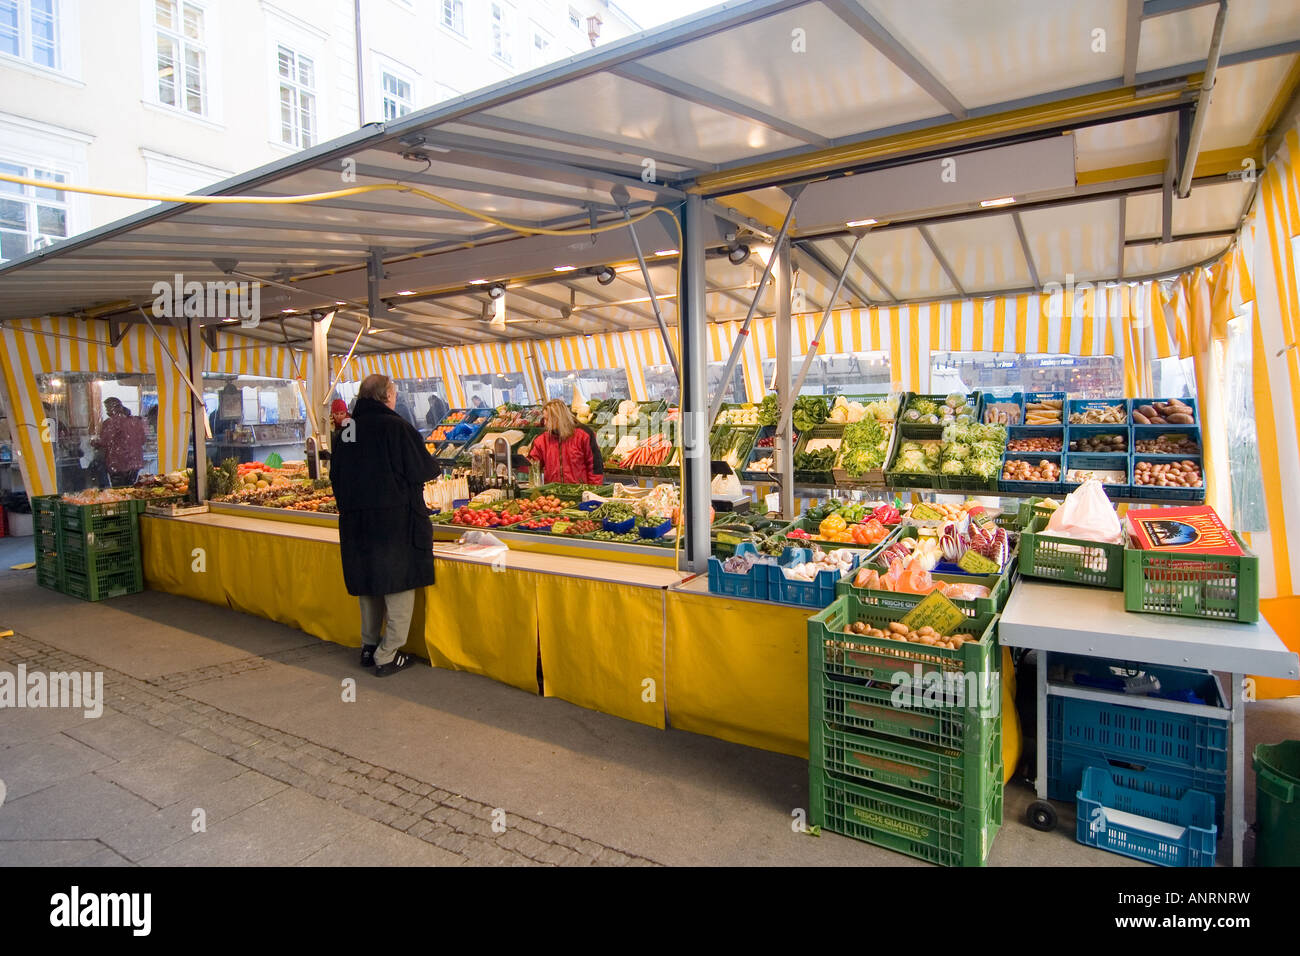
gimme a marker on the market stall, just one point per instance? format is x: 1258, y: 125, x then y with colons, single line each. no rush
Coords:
x: 821, y: 305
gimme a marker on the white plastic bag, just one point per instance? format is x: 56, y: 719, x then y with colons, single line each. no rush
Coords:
x: 1088, y: 515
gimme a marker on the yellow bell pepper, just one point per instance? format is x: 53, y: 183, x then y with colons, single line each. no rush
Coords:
x: 831, y: 523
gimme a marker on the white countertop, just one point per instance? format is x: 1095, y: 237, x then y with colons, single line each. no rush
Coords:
x: 593, y: 569
x: 1083, y: 620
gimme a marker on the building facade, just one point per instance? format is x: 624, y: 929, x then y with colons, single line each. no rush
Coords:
x: 169, y: 96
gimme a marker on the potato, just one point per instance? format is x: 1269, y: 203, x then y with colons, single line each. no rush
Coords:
x: 1141, y: 419
x: 1181, y: 418
x: 898, y: 628
x: 1148, y: 411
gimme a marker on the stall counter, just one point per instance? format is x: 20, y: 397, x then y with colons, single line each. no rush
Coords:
x: 596, y: 626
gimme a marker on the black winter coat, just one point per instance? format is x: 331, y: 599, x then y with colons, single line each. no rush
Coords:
x: 378, y: 477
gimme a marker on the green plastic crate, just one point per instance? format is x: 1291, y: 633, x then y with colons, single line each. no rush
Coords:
x: 99, y: 565
x: 999, y: 586
x: 1218, y: 587
x: 99, y: 586
x: 869, y: 708
x: 74, y: 545
x: 107, y: 516
x: 934, y: 832
x: 1070, y: 560
x: 837, y: 654
x: 959, y: 778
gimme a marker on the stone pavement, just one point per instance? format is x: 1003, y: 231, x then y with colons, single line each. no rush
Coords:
x: 207, y: 709
x: 135, y: 776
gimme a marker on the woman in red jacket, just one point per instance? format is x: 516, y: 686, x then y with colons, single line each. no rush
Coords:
x: 567, y: 452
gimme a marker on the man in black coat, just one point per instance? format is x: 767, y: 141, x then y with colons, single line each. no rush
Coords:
x: 378, y: 470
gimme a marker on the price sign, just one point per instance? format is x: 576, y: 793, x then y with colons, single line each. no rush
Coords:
x: 924, y: 512
x: 980, y: 516
x: 936, y: 611
x: 975, y: 563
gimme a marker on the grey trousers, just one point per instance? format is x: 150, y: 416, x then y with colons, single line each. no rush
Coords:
x: 400, y: 607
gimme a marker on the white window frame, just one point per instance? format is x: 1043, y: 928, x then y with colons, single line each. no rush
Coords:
x: 463, y: 31
x: 31, y: 144
x: 298, y: 89
x: 67, y: 44
x: 507, y: 27
x: 581, y: 20
x: 304, y: 39
x: 213, y: 100
x: 32, y: 203
x: 398, y: 71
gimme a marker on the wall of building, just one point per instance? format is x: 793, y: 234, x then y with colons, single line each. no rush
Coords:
x: 96, y: 117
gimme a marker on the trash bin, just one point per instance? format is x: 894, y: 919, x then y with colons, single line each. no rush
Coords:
x: 1277, y: 803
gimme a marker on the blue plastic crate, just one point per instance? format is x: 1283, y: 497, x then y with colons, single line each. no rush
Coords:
x: 1035, y: 431
x: 1066, y: 764
x: 1141, y: 733
x: 1160, y: 830
x: 589, y: 505
x: 818, y: 593
x: 1076, y: 432
x: 1032, y: 487
x: 1075, y: 460
x: 657, y: 530
x: 1016, y: 398
x: 752, y: 584
x: 1084, y: 404
x: 1135, y: 403
x: 618, y: 527
x: 1044, y: 397
x: 1165, y: 492
x: 1148, y: 432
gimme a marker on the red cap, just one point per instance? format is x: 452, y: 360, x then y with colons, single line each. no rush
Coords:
x: 339, y: 406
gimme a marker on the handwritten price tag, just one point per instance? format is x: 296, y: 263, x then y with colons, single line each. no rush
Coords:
x: 975, y: 563
x: 936, y: 611
x: 924, y: 512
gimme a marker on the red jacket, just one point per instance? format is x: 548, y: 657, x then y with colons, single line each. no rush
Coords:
x: 567, y: 461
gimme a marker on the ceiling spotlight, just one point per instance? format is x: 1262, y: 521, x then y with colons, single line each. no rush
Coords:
x: 406, y: 292
x: 564, y: 268
x: 496, y: 290
x: 604, y: 275
x: 1004, y: 201
x: 860, y: 222
x: 738, y: 253
x: 478, y: 281
x: 665, y: 252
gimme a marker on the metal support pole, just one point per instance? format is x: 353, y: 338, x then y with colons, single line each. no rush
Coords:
x: 788, y: 405
x: 198, y: 411
x: 693, y: 326
x: 318, y: 376
x: 621, y: 198
x: 784, y: 357
x: 715, y: 404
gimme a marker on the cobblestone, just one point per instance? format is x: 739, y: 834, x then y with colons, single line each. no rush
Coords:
x: 454, y: 822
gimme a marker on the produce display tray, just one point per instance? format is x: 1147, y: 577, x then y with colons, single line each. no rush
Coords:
x: 1033, y: 487
x: 873, y: 479
x: 935, y: 832
x: 1149, y: 432
x: 1212, y: 586
x: 999, y: 586
x: 1193, y: 494
x: 1131, y: 822
x: 910, y: 430
x: 833, y: 653
x: 1085, y: 404
x: 99, y: 586
x: 1120, y: 463
x: 1035, y: 431
x: 1058, y: 558
x: 1066, y: 766
x: 1135, y: 403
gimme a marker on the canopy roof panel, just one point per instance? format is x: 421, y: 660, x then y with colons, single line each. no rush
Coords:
x: 740, y: 103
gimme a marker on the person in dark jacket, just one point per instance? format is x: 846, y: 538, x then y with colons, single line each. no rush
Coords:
x: 384, y: 532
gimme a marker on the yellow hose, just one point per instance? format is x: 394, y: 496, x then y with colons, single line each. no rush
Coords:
x: 339, y: 194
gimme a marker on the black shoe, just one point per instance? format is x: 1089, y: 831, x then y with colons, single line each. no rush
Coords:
x: 400, y: 662
x: 368, y: 655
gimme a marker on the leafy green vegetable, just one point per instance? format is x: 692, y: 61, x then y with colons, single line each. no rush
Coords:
x: 809, y: 412
x: 821, y: 460
x: 866, y: 443
x: 768, y: 411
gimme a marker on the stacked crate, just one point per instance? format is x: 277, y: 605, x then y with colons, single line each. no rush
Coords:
x: 90, y: 552
x: 898, y: 755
